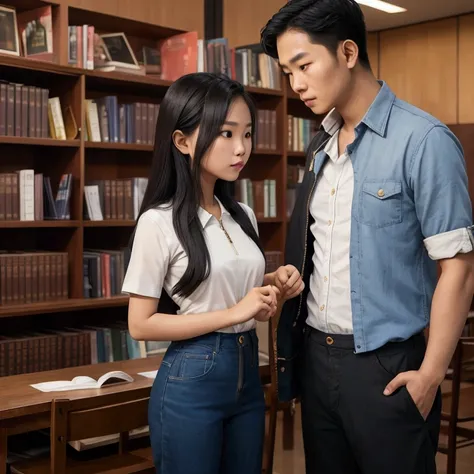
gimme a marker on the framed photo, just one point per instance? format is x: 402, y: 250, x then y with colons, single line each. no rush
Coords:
x: 9, y: 40
x: 118, y: 50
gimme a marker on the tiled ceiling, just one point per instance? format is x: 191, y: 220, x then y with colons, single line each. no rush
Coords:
x: 417, y: 11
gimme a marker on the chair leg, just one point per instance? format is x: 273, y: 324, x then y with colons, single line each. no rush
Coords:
x: 3, y: 450
x: 288, y: 428
x: 270, y: 439
x: 451, y: 468
x: 123, y: 442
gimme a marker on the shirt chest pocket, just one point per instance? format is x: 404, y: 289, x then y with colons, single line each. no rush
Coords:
x: 380, y: 203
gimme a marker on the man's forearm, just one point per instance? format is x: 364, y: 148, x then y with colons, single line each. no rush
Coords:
x: 450, y: 306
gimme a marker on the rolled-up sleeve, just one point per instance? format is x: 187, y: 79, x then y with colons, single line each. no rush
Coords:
x: 442, y: 202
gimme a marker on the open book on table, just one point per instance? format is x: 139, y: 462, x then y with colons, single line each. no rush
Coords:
x: 83, y: 382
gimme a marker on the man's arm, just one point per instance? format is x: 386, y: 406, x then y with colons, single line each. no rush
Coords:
x: 451, y: 303
x: 444, y: 209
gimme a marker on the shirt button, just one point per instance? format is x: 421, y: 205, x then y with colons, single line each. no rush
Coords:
x: 333, y: 191
x: 282, y: 369
x: 329, y: 222
x: 322, y: 307
x: 381, y: 192
x: 325, y: 278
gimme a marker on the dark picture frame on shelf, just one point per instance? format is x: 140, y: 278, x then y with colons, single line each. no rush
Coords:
x: 118, y: 49
x: 9, y: 38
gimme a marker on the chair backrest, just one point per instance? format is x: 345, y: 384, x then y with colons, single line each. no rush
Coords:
x: 73, y: 420
x: 462, y: 360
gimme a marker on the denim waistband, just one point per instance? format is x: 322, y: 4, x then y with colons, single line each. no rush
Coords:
x: 221, y: 340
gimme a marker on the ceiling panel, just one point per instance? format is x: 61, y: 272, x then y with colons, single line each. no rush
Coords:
x: 417, y: 11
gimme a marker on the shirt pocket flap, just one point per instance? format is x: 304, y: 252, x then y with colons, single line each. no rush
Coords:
x: 382, y: 189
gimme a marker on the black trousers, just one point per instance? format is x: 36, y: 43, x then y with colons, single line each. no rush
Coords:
x: 349, y: 425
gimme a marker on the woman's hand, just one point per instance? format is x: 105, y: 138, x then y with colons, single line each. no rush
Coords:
x: 288, y: 280
x: 259, y: 303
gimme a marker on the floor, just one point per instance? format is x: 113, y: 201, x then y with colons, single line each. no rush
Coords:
x: 292, y: 462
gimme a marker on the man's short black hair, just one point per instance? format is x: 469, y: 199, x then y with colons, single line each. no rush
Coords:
x: 326, y: 22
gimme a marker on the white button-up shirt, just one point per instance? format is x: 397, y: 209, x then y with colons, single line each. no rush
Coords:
x: 158, y: 261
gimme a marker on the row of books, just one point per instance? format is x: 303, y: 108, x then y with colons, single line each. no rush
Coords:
x: 110, y: 121
x: 82, y: 42
x: 27, y: 196
x: 173, y: 57
x: 300, y: 132
x: 266, y: 130
x: 24, y: 110
x: 51, y: 348
x: 28, y: 111
x: 247, y: 64
x: 104, y: 272
x: 260, y: 195
x: 114, y: 198
x: 31, y: 277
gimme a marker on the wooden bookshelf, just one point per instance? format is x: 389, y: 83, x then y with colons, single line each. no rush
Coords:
x: 71, y: 304
x: 89, y: 161
x: 39, y: 224
x: 118, y: 146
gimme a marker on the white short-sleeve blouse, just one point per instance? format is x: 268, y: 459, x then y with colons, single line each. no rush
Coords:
x: 158, y: 261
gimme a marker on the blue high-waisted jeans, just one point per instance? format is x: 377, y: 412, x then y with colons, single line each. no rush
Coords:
x: 207, y: 409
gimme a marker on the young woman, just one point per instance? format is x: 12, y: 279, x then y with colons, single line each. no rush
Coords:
x: 196, y: 242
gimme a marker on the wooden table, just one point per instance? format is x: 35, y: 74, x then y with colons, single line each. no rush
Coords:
x: 24, y: 409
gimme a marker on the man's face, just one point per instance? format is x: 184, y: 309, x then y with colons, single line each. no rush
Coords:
x: 315, y: 74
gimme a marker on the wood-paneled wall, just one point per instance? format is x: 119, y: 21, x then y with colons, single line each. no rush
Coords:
x: 466, y: 69
x: 373, y: 50
x: 187, y: 15
x: 431, y: 65
x: 243, y: 19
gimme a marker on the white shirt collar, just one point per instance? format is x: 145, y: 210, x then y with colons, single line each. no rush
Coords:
x: 205, y: 216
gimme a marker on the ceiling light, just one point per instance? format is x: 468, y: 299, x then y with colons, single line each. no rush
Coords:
x: 383, y: 6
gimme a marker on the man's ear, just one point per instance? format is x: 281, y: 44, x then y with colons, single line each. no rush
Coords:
x: 350, y: 50
x: 182, y: 142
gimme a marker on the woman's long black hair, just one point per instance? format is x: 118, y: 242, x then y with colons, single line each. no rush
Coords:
x: 198, y: 99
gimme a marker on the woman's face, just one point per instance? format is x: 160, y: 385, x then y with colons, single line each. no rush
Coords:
x: 230, y: 151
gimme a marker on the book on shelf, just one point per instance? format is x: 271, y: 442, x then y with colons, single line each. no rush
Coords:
x: 260, y: 195
x: 114, y: 198
x: 108, y: 120
x: 32, y: 277
x: 84, y: 382
x: 295, y: 174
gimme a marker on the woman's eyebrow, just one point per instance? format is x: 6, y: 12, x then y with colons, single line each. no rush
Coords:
x: 235, y: 124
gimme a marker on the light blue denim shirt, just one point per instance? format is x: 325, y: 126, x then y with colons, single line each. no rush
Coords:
x: 411, y: 207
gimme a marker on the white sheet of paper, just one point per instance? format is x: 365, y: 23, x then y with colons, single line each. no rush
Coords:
x: 149, y: 375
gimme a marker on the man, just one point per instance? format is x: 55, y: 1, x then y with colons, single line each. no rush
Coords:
x: 383, y: 200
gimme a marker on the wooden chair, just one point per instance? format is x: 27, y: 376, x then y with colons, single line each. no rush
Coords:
x: 73, y: 420
x: 271, y: 398
x: 267, y: 342
x: 458, y: 403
